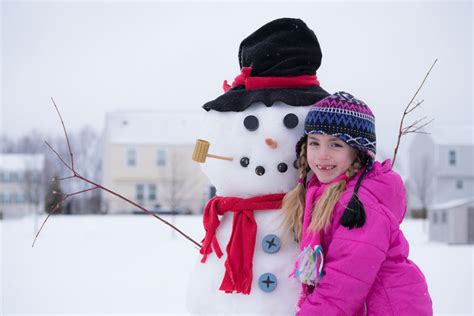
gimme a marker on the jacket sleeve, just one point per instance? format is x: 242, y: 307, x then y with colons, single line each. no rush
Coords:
x: 351, y: 264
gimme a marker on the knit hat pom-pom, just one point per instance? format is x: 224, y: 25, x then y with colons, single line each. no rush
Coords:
x: 354, y: 215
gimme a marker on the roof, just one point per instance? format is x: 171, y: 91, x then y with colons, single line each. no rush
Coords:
x: 453, y: 134
x: 153, y: 127
x: 452, y: 204
x: 21, y: 162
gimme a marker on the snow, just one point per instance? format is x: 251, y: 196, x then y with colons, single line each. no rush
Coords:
x: 135, y: 265
x: 452, y: 204
x: 21, y: 162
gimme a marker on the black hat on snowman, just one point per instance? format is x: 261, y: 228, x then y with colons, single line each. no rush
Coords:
x: 278, y: 62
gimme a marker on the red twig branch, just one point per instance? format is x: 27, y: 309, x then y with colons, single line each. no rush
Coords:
x: 65, y: 134
x: 94, y: 187
x: 65, y: 178
x: 414, y: 127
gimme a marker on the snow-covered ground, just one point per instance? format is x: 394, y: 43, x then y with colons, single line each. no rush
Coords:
x: 136, y: 265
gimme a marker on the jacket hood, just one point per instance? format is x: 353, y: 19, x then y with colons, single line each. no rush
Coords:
x: 384, y: 186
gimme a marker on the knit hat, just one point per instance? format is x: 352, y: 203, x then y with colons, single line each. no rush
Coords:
x: 351, y: 120
x: 278, y: 62
x: 345, y: 117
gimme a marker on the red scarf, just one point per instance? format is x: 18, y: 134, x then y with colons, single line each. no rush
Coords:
x: 241, y: 246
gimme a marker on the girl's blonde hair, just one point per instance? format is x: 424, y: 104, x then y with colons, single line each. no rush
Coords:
x: 294, y: 201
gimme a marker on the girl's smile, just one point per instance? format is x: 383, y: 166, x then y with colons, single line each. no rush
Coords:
x: 329, y: 157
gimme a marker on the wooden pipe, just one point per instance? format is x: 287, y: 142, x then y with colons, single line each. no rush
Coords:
x: 201, y: 152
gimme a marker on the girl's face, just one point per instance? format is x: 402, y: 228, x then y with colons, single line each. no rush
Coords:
x: 329, y: 157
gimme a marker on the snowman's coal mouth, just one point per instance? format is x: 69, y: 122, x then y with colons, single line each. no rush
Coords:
x: 282, y: 167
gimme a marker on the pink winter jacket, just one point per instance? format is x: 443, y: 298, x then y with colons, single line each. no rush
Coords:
x: 366, y: 270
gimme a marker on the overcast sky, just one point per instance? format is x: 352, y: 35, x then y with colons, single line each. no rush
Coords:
x: 97, y: 57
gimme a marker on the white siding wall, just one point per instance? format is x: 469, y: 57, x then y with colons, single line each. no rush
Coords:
x: 438, y: 229
x: 448, y: 174
x: 458, y: 225
x: 443, y: 177
x: 446, y: 189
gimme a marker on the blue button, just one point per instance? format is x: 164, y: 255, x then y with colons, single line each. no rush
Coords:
x: 271, y: 243
x: 267, y: 282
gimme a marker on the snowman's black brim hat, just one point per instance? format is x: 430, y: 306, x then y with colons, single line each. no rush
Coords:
x: 238, y: 99
x: 283, y: 48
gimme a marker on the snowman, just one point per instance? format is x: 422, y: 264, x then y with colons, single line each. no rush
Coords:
x: 250, y: 134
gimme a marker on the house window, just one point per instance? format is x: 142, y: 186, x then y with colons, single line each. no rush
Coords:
x: 161, y: 157
x: 2, y: 197
x: 139, y: 191
x: 13, y: 198
x: 452, y: 158
x: 459, y: 184
x: 152, y: 192
x: 444, y: 217
x: 13, y: 177
x: 131, y: 157
x: 435, y: 218
x: 2, y: 176
x: 33, y: 177
x: 20, y: 199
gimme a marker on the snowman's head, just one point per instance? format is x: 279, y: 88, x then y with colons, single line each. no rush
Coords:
x: 259, y: 118
x: 261, y: 140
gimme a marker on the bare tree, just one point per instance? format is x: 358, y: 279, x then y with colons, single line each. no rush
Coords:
x: 176, y: 181
x: 422, y: 171
x: 88, y: 145
x: 7, y: 144
x: 180, y: 184
x: 29, y: 143
x: 423, y: 179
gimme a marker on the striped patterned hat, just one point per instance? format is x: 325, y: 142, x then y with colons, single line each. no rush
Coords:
x: 345, y: 117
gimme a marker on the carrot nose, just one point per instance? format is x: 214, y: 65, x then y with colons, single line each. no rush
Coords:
x: 271, y: 143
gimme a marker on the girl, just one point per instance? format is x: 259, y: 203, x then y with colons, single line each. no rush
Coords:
x: 347, y: 217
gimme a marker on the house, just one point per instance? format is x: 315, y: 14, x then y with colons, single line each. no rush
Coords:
x: 21, y: 190
x: 441, y: 166
x: 453, y: 222
x: 442, y: 181
x: 147, y: 159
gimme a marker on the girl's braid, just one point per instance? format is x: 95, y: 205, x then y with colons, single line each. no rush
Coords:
x: 354, y: 167
x: 302, y: 162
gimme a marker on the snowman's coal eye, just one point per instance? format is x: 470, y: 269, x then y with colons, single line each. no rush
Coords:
x: 290, y: 120
x: 251, y: 123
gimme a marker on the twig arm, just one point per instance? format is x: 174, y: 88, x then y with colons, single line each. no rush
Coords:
x: 403, y: 130
x: 95, y: 186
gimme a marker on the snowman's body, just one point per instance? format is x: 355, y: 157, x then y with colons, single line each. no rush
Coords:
x: 205, y: 298
x: 268, y: 149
